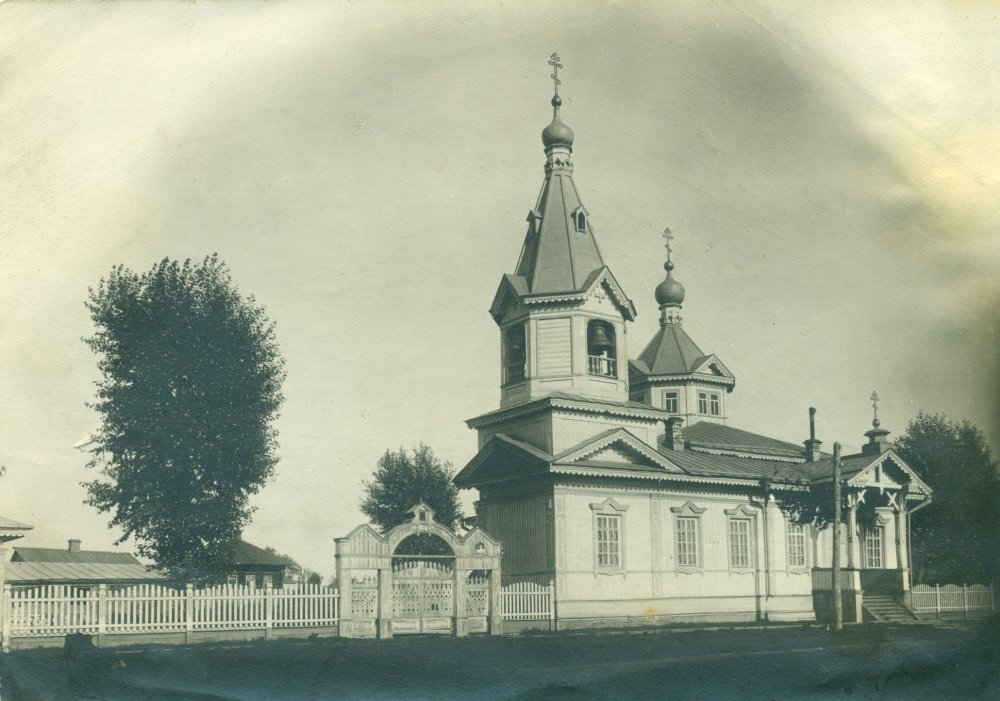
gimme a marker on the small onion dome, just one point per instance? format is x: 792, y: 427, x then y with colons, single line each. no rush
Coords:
x: 557, y: 133
x: 669, y: 292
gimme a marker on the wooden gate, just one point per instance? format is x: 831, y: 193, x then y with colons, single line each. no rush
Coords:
x: 423, y: 595
x: 419, y: 577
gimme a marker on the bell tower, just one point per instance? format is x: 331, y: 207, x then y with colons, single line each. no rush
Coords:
x: 561, y: 313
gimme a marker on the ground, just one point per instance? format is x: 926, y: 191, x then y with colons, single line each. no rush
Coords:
x: 865, y: 662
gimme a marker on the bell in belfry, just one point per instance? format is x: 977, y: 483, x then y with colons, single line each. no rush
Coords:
x: 598, y: 340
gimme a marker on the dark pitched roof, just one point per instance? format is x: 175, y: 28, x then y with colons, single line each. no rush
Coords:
x: 247, y: 554
x: 713, y: 436
x: 670, y: 352
x: 79, y: 557
x: 78, y: 573
x: 556, y: 257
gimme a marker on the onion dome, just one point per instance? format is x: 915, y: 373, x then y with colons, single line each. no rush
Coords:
x: 669, y: 292
x: 557, y: 133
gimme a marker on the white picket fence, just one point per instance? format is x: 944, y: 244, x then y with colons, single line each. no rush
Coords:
x: 528, y: 601
x: 56, y: 610
x: 951, y: 598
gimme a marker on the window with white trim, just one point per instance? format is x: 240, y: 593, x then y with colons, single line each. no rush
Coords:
x: 609, y: 529
x: 739, y: 542
x: 873, y: 547
x: 670, y: 402
x: 709, y: 404
x: 796, y: 545
x: 687, y: 541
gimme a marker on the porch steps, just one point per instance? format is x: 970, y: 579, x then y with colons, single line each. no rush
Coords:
x: 887, y: 609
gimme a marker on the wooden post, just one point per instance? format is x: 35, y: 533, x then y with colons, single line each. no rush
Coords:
x: 102, y: 613
x: 268, y: 610
x: 965, y: 599
x: 188, y: 613
x: 937, y: 599
x: 838, y: 605
x: 8, y: 611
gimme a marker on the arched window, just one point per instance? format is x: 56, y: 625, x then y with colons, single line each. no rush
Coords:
x: 601, y: 349
x: 581, y: 220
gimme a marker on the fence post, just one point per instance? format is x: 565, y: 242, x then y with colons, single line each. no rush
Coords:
x: 268, y: 610
x: 8, y: 611
x: 937, y: 599
x: 965, y: 599
x: 188, y: 613
x: 102, y: 613
x: 552, y: 605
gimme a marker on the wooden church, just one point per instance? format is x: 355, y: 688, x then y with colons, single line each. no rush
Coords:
x: 623, y: 480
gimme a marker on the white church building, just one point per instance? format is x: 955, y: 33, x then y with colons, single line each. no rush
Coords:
x: 623, y: 480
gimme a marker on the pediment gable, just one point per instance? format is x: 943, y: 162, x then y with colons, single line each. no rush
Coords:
x: 500, y: 459
x: 617, y: 446
x: 888, y: 471
x: 603, y: 285
x: 711, y: 365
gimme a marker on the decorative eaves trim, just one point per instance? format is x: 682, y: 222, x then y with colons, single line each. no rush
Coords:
x: 556, y: 403
x: 686, y: 377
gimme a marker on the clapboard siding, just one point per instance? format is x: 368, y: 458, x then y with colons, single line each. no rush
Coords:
x: 555, y: 347
x: 522, y: 523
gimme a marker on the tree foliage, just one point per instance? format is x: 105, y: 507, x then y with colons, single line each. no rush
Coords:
x: 402, y: 479
x: 190, y: 387
x: 956, y: 538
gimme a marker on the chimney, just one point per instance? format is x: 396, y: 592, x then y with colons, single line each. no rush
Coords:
x: 812, y: 445
x: 74, y: 545
x: 674, y: 438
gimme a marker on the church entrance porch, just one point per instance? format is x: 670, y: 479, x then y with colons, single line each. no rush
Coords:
x: 418, y: 578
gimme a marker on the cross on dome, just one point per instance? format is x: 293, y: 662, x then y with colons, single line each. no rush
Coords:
x: 874, y: 398
x: 554, y: 62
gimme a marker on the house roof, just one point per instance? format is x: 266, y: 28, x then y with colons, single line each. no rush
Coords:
x: 78, y: 557
x: 78, y: 573
x: 248, y: 554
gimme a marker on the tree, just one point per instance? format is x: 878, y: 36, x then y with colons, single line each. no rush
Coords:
x: 957, y: 537
x: 401, y: 480
x: 190, y: 387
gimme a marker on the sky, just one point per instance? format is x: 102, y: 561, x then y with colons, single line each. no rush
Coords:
x: 831, y: 173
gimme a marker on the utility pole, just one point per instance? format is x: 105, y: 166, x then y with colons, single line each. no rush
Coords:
x: 838, y: 606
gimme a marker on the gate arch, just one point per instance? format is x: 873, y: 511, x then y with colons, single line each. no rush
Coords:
x: 419, y: 577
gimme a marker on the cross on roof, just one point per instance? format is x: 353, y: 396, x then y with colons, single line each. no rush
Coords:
x: 669, y: 236
x: 554, y: 62
x: 874, y: 399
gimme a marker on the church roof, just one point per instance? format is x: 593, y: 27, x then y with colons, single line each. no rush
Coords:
x: 556, y: 256
x: 707, y: 435
x: 742, y: 458
x: 670, y: 352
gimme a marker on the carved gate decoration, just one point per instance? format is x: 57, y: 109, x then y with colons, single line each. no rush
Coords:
x: 418, y: 578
